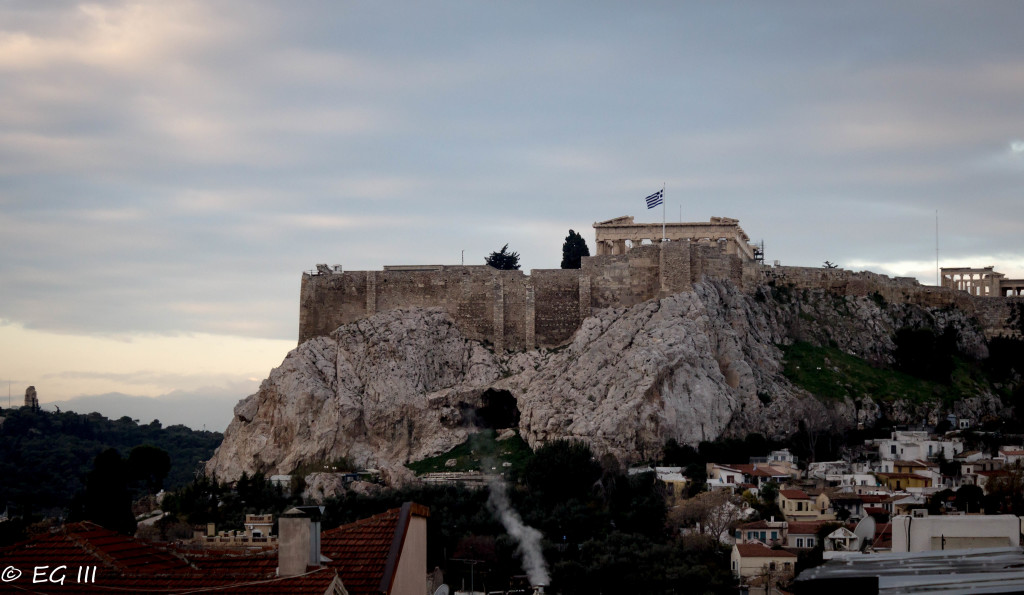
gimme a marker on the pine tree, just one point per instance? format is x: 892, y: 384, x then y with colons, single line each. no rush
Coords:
x: 504, y: 260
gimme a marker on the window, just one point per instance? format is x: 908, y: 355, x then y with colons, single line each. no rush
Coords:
x: 799, y: 542
x: 892, y: 449
x: 775, y: 535
x: 771, y: 566
x: 810, y: 542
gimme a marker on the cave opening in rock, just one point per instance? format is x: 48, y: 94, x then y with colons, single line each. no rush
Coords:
x: 498, y: 409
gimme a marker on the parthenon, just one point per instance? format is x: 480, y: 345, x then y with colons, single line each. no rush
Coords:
x: 983, y: 282
x: 611, y: 235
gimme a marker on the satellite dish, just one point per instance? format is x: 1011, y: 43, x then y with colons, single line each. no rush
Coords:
x: 442, y: 590
x: 865, y: 530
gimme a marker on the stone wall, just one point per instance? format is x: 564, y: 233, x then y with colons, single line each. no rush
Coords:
x: 557, y: 305
x: 513, y: 311
x: 994, y: 314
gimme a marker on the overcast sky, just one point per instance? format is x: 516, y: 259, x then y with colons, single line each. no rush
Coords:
x: 168, y: 169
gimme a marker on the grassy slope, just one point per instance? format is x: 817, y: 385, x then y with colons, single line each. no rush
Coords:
x: 830, y: 373
x: 472, y: 454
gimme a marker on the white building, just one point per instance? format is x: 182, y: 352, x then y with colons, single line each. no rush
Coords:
x: 908, y: 445
x: 921, y: 533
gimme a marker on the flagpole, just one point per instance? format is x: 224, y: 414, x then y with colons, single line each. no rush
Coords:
x: 663, y: 211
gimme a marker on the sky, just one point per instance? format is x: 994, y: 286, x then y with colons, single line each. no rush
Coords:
x: 169, y: 169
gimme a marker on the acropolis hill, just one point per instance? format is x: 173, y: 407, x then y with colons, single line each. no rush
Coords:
x: 514, y: 311
x: 685, y: 340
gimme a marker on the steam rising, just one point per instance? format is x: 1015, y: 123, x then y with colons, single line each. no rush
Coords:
x: 527, y: 537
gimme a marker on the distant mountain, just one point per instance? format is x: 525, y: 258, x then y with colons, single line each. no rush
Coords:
x: 199, y: 411
x: 44, y: 455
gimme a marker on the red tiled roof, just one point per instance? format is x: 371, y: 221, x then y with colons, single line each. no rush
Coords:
x: 805, y: 528
x: 360, y: 551
x: 883, y: 536
x: 876, y: 498
x: 756, y: 550
x: 85, y: 543
x: 125, y: 564
x: 794, y: 494
x: 759, y: 470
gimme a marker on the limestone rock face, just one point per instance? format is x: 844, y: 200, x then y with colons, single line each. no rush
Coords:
x: 381, y: 391
x: 403, y: 385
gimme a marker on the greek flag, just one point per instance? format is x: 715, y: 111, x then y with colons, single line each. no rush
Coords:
x: 655, y: 199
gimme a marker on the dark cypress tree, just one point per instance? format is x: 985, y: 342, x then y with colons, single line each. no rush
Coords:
x: 574, y: 248
x: 106, y: 500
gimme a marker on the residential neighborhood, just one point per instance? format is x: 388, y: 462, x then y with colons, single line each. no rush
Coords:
x: 914, y: 491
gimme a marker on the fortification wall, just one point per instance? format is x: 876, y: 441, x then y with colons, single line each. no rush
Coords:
x: 511, y: 310
x: 557, y: 305
x: 996, y: 315
x: 624, y: 279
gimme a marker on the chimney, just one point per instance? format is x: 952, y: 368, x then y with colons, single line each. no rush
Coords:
x: 298, y: 540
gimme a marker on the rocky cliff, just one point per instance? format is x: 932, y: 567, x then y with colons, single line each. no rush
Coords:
x: 403, y: 385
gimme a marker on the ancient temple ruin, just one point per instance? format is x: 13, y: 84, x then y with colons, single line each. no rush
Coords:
x: 616, y: 236
x: 984, y: 282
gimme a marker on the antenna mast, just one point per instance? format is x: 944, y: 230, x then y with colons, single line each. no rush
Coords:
x: 936, y: 247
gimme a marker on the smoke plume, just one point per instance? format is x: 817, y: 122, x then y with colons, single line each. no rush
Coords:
x: 527, y: 537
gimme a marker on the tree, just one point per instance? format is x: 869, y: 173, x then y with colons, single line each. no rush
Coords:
x: 563, y: 469
x: 503, y: 260
x: 829, y: 265
x: 713, y: 513
x: 106, y: 500
x: 149, y: 464
x: 574, y: 248
x: 969, y: 498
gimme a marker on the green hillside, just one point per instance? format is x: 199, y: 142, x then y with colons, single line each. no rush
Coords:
x: 44, y: 456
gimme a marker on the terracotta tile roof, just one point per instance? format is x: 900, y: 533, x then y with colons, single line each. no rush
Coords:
x: 127, y: 565
x: 360, y: 551
x: 876, y: 498
x: 82, y: 544
x: 794, y: 494
x: 759, y: 470
x: 805, y: 528
x: 756, y: 550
